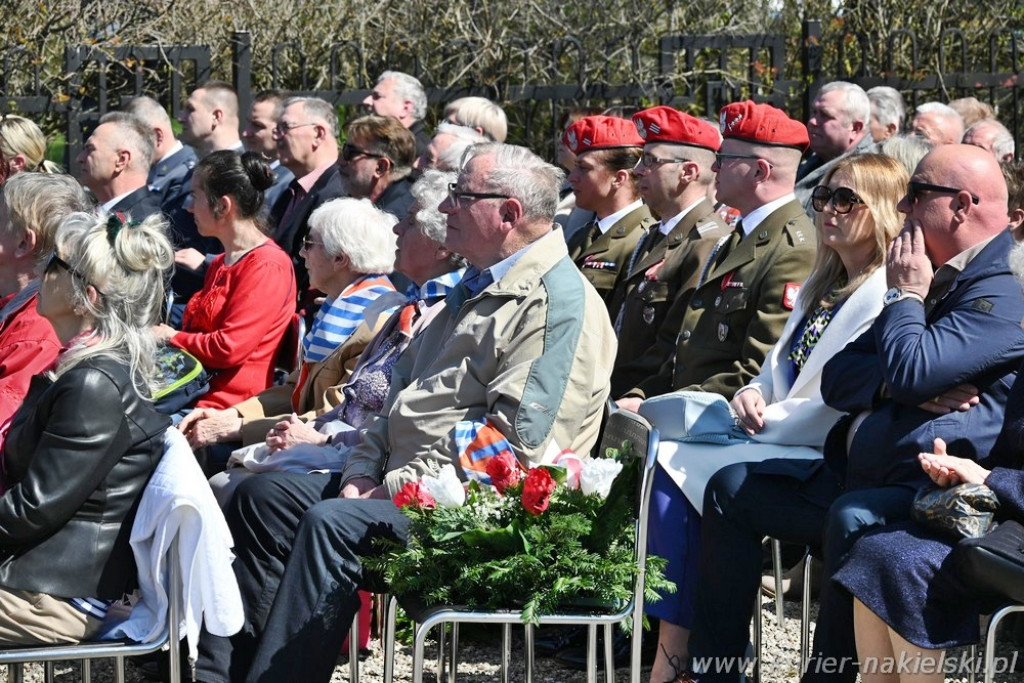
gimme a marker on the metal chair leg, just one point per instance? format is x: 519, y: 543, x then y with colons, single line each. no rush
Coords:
x: 353, y: 648
x: 805, y: 614
x: 777, y: 571
x: 118, y: 669
x: 609, y: 656
x: 87, y: 671
x: 417, y: 653
x: 529, y: 652
x: 442, y: 637
x: 591, y: 653
x: 389, y: 640
x: 506, y: 649
x: 990, y: 639
x: 453, y: 665
x: 15, y: 673
x: 972, y: 677
x: 48, y: 673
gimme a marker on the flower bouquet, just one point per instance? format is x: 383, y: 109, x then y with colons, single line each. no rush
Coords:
x: 541, y: 540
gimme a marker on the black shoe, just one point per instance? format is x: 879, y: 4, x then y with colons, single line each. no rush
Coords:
x: 550, y: 640
x: 575, y: 657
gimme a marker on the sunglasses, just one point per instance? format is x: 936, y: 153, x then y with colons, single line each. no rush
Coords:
x: 54, y: 262
x: 350, y: 152
x: 842, y: 199
x: 914, y: 190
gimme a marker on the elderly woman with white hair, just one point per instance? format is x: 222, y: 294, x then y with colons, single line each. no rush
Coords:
x: 310, y: 443
x: 349, y: 250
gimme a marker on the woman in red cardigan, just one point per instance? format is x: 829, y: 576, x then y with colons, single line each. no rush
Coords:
x: 234, y: 325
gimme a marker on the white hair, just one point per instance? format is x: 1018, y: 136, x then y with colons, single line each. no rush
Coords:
x: 358, y: 229
x: 888, y: 106
x: 856, y: 106
x: 408, y: 88
x: 523, y: 175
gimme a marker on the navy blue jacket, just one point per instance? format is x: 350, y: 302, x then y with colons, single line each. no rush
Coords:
x: 973, y: 335
x: 167, y: 177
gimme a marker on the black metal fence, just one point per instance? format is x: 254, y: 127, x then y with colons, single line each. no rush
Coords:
x: 698, y: 73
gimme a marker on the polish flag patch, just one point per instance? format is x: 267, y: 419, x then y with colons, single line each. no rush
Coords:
x: 789, y: 295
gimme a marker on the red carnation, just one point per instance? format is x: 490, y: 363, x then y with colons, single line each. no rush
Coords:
x: 537, y: 490
x: 504, y: 471
x: 414, y: 494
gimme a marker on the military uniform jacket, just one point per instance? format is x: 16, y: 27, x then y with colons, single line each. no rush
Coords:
x: 656, y: 279
x: 605, y: 261
x: 737, y: 314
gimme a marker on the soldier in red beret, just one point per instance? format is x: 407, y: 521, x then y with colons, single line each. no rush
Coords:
x: 673, y: 175
x: 747, y: 287
x: 606, y: 148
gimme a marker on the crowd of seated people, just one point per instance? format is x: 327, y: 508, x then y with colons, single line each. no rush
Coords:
x: 860, y: 323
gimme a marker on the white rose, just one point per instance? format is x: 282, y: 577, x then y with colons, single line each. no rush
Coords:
x: 446, y: 488
x: 597, y: 476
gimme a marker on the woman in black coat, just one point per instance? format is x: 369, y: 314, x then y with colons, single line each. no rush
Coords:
x: 86, y: 440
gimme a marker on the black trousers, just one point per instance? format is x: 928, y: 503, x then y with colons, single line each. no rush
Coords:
x: 741, y: 507
x: 298, y: 549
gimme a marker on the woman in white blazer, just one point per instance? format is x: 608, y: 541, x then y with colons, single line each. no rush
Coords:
x: 780, y: 413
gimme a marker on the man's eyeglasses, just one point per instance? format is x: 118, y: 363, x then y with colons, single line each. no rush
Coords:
x: 350, y: 152
x: 455, y: 195
x: 647, y: 160
x: 283, y: 128
x: 843, y: 199
x: 720, y: 156
x: 54, y: 262
x: 914, y: 189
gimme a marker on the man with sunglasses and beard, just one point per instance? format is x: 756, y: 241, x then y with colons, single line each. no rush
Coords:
x: 376, y: 163
x: 937, y: 363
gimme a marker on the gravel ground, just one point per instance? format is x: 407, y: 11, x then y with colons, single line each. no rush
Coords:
x: 479, y: 660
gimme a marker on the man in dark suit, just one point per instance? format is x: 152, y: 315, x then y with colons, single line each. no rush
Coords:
x: 115, y: 163
x: 173, y: 160
x: 307, y: 145
x: 606, y: 148
x: 747, y: 287
x: 402, y: 96
x: 938, y: 362
x: 673, y: 176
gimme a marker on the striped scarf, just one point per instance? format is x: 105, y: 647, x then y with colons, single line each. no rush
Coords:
x: 338, y: 318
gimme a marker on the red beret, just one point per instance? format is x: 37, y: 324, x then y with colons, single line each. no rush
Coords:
x: 601, y: 132
x: 762, y: 124
x: 665, y: 124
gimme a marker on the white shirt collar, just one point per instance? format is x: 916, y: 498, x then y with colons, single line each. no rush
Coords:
x: 665, y: 227
x: 754, y: 218
x: 605, y: 224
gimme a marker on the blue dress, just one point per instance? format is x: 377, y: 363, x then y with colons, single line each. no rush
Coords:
x: 906, y: 574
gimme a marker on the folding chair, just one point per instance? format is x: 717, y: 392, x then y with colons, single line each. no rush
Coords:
x: 118, y: 650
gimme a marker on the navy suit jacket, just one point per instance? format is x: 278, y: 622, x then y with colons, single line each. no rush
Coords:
x: 972, y: 335
x: 139, y: 205
x: 289, y: 234
x: 167, y: 177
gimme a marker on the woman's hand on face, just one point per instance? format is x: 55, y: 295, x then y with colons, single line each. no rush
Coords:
x: 749, y: 408
x: 947, y: 470
x: 163, y: 333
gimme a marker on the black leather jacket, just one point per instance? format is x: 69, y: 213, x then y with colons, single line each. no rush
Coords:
x: 80, y: 451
